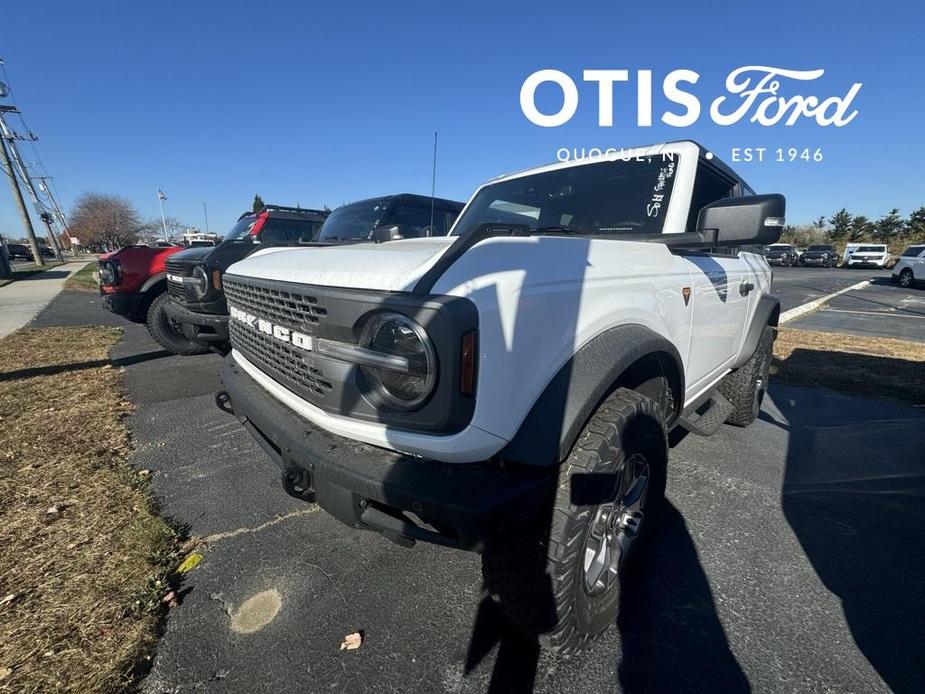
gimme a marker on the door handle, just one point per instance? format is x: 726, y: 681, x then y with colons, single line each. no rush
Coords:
x: 745, y: 288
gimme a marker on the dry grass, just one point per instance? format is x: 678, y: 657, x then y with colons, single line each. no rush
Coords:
x: 84, y: 280
x: 879, y: 367
x: 82, y: 552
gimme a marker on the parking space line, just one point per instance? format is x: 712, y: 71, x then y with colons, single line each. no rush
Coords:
x: 803, y: 309
x: 890, y: 314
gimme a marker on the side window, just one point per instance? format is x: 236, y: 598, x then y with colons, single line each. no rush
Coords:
x: 709, y: 186
x: 289, y: 231
x: 415, y: 220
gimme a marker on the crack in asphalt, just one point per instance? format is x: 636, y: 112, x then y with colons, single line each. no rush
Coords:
x: 217, y: 537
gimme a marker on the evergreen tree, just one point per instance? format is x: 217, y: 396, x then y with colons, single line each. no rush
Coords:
x: 861, y: 229
x: 840, y: 226
x: 890, y: 226
x: 258, y: 203
x: 915, y: 225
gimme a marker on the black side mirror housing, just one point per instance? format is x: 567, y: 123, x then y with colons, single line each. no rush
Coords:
x: 387, y: 232
x: 748, y: 220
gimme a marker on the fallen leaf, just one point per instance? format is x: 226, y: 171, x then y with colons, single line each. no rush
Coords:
x: 352, y: 641
x: 5, y: 672
x: 52, y: 510
x: 9, y: 598
x: 190, y: 563
x: 144, y: 473
x: 170, y: 599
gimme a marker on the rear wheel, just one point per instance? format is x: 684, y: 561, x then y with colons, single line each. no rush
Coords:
x: 906, y: 278
x: 745, y: 387
x: 166, y: 332
x: 559, y: 578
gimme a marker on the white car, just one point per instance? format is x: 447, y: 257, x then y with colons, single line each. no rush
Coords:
x: 466, y: 390
x: 910, y: 268
x: 866, y: 255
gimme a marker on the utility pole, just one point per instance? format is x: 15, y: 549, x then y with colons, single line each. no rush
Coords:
x: 13, y: 153
x: 205, y: 213
x: 54, y: 203
x: 17, y: 197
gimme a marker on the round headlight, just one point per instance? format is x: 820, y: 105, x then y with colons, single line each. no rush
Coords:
x: 409, y: 384
x: 201, y: 285
x: 107, y: 276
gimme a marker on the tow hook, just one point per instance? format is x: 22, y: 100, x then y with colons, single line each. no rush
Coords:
x: 298, y: 483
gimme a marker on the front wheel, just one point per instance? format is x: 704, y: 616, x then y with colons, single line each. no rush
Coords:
x: 558, y: 579
x: 166, y: 332
x: 745, y: 387
x: 906, y: 278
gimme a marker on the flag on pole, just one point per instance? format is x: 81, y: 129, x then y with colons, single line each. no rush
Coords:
x: 161, y: 194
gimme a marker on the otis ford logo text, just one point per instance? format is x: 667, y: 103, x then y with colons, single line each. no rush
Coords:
x: 758, y: 90
x: 293, y: 337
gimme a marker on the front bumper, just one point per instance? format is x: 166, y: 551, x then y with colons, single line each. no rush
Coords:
x: 204, y: 328
x: 454, y: 504
x: 123, y: 303
x: 865, y: 262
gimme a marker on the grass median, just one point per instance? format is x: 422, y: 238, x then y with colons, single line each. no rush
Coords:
x: 870, y: 366
x: 84, y: 280
x: 84, y: 557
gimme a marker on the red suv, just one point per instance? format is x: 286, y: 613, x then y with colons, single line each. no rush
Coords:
x: 133, y: 283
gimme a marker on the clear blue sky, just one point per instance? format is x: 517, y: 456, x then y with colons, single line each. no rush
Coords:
x: 321, y: 103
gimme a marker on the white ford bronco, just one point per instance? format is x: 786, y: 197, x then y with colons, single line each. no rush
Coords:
x: 508, y: 388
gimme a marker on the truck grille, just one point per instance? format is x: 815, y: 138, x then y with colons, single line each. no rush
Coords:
x: 175, y: 289
x: 290, y: 366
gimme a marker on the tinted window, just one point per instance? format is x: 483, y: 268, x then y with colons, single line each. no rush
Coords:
x: 871, y: 249
x: 415, y: 220
x: 289, y: 231
x: 913, y: 251
x: 355, y: 221
x: 602, y: 199
x: 820, y: 248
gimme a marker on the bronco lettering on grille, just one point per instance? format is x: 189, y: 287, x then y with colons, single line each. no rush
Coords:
x: 283, y: 334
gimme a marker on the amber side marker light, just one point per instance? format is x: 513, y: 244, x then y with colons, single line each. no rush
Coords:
x: 468, y: 363
x: 217, y: 279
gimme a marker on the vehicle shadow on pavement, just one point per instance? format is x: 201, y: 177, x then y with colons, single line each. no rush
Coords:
x: 854, y: 495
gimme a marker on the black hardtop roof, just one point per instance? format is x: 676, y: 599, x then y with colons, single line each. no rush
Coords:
x: 288, y: 212
x: 415, y: 198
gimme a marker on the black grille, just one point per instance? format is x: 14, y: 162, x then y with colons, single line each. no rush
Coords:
x: 290, y: 308
x: 175, y: 289
x: 290, y: 366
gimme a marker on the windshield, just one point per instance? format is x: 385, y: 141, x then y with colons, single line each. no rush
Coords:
x: 871, y: 249
x: 602, y: 199
x: 355, y: 221
x: 820, y: 248
x: 778, y: 248
x: 242, y: 229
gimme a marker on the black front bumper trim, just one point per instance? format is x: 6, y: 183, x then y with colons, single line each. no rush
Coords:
x: 403, y: 497
x: 199, y: 327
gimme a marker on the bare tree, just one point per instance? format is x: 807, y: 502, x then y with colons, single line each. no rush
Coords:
x: 110, y: 221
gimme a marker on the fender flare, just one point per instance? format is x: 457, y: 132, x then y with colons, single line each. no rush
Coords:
x: 766, y: 313
x: 549, y: 430
x: 152, y: 280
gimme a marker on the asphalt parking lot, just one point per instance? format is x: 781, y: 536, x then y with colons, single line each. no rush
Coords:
x: 790, y: 559
x: 880, y: 309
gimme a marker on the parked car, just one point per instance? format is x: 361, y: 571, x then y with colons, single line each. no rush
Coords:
x: 821, y: 256
x: 194, y: 277
x: 910, y: 268
x: 783, y: 254
x: 133, y: 284
x: 509, y: 388
x: 19, y: 251
x: 866, y: 255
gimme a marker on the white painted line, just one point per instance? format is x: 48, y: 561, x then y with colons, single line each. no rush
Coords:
x: 813, y: 305
x: 888, y: 314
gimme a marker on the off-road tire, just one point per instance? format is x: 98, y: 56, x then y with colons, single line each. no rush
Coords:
x: 163, y: 332
x: 536, y: 573
x: 745, y: 387
x: 906, y: 278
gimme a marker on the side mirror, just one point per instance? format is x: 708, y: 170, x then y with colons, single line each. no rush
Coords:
x: 387, y: 232
x: 749, y: 220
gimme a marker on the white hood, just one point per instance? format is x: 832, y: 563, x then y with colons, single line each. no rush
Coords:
x: 392, y: 266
